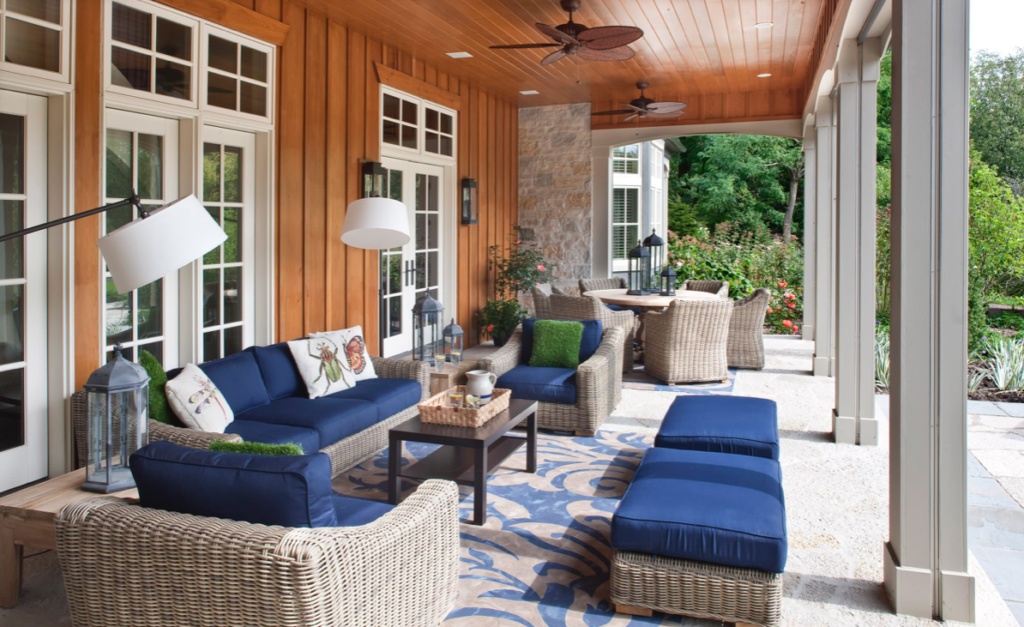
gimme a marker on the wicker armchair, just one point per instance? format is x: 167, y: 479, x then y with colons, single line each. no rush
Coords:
x: 344, y: 454
x: 598, y: 383
x: 686, y: 343
x: 590, y: 308
x: 541, y: 304
x: 746, y: 330
x: 614, y: 283
x: 719, y: 288
x: 565, y: 290
x: 136, y: 567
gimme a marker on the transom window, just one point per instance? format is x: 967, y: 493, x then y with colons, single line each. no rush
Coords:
x: 238, y: 74
x: 417, y: 126
x: 626, y: 159
x: 401, y: 122
x: 625, y: 221
x: 152, y: 51
x: 33, y: 36
x: 439, y: 135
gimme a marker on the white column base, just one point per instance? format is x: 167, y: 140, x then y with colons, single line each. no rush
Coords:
x: 807, y: 331
x: 844, y: 429
x: 909, y: 589
x: 957, y: 596
x: 868, y: 432
x: 822, y: 367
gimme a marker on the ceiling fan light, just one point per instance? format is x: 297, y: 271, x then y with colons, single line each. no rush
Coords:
x: 765, y: 75
x: 459, y: 55
x: 530, y: 92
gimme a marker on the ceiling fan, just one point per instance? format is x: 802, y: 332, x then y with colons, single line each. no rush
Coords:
x: 601, y: 43
x: 644, y: 107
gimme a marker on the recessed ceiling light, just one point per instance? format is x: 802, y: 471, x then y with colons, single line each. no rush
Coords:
x: 765, y: 75
x: 530, y: 92
x: 763, y: 25
x: 459, y: 55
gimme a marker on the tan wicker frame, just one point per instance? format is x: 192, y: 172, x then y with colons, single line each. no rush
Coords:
x: 719, y: 288
x: 566, y: 290
x: 344, y: 454
x: 598, y: 383
x: 686, y: 343
x: 130, y: 566
x: 746, y: 330
x: 591, y: 308
x: 614, y: 283
x: 676, y: 586
x: 541, y: 305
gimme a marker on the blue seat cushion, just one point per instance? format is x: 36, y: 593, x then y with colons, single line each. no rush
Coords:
x: 238, y: 379
x: 635, y: 310
x: 709, y: 507
x: 352, y: 512
x: 588, y: 346
x: 548, y: 385
x: 290, y: 490
x: 740, y: 425
x: 389, y: 395
x: 332, y: 418
x: 277, y: 367
x: 267, y: 433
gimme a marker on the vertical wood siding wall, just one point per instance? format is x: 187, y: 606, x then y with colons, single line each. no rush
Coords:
x: 328, y: 121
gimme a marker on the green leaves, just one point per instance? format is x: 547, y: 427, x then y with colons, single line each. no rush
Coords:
x: 997, y: 111
x: 517, y: 267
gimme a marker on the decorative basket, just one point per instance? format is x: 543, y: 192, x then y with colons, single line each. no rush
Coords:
x: 436, y: 409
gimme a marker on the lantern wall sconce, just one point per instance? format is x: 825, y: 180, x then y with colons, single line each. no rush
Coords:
x: 375, y: 179
x: 470, y: 201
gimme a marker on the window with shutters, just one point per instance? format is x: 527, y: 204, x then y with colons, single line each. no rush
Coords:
x: 626, y: 159
x: 625, y: 221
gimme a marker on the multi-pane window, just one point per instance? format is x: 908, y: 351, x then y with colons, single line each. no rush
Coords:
x: 428, y: 243
x: 415, y: 125
x: 237, y: 75
x: 625, y: 220
x: 152, y: 51
x: 401, y: 122
x: 626, y: 159
x: 222, y: 267
x: 392, y: 271
x: 439, y: 133
x: 33, y: 34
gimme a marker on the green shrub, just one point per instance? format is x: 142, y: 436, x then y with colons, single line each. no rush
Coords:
x: 882, y: 356
x: 255, y: 448
x: 977, y: 311
x: 1002, y: 363
x: 1007, y: 320
x: 158, y: 408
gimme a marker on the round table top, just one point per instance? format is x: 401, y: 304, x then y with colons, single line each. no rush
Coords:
x: 654, y: 301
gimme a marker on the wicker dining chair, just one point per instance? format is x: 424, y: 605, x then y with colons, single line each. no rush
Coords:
x: 614, y: 283
x: 591, y: 308
x: 541, y: 303
x: 565, y: 290
x: 719, y: 288
x: 687, y: 343
x: 746, y: 330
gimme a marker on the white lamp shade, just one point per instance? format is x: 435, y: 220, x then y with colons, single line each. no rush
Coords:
x: 376, y: 223
x: 148, y: 249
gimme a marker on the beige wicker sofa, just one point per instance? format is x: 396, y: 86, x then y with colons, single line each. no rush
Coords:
x: 686, y: 343
x: 746, y: 330
x: 130, y: 566
x: 718, y: 288
x: 591, y: 308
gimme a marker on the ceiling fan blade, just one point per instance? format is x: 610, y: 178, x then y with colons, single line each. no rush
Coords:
x: 666, y: 107
x: 607, y: 37
x: 662, y: 115
x: 524, y: 46
x: 557, y: 55
x: 616, y: 112
x: 623, y: 53
x: 631, y: 118
x: 632, y: 107
x: 556, y: 34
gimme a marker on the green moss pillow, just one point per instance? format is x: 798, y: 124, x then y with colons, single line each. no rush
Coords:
x: 158, y: 408
x: 556, y: 344
x: 255, y: 448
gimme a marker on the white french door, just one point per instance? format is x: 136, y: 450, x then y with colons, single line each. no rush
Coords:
x: 409, y: 271
x: 23, y: 405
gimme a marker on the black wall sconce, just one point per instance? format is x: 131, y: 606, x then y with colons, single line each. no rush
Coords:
x: 375, y: 179
x: 470, y: 200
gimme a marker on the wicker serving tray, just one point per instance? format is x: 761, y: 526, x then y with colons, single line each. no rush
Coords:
x: 435, y: 410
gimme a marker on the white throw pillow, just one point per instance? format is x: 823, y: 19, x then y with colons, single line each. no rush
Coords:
x: 352, y: 343
x: 322, y: 364
x: 197, y: 402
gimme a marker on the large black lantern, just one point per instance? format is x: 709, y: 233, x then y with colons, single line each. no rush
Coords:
x: 470, y: 199
x: 656, y: 246
x: 452, y: 338
x: 667, y: 281
x: 427, y: 337
x: 375, y: 178
x: 639, y: 271
x: 117, y: 397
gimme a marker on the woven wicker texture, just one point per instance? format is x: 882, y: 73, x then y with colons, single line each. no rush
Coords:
x: 746, y: 330
x: 565, y: 290
x: 130, y: 566
x: 598, y: 383
x: 437, y: 409
x: 719, y: 288
x: 686, y: 343
x: 676, y: 586
x: 344, y: 454
x: 614, y: 283
x: 541, y: 305
x: 591, y: 308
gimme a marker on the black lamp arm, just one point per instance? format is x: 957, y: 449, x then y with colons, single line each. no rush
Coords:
x: 131, y: 200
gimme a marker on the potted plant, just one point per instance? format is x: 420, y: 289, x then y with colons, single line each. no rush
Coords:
x: 517, y: 268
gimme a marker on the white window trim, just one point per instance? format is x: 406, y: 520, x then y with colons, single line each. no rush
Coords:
x: 638, y: 159
x: 270, y: 50
x: 66, y: 30
x: 402, y: 152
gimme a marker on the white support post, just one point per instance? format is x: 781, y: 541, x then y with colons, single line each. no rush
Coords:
x: 824, y: 268
x: 601, y: 213
x: 810, y: 228
x: 926, y: 556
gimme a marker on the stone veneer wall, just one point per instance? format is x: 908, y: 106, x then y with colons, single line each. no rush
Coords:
x: 555, y: 187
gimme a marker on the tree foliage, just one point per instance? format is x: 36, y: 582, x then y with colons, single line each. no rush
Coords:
x: 997, y: 111
x: 996, y: 230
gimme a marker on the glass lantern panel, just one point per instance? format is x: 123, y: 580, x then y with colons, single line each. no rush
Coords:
x: 98, y: 436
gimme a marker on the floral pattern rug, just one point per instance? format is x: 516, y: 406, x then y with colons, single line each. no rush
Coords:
x: 542, y: 558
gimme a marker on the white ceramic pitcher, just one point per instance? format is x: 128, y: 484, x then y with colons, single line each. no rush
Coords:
x: 481, y: 383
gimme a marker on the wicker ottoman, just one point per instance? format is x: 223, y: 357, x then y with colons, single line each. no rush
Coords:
x: 741, y: 425
x: 701, y: 534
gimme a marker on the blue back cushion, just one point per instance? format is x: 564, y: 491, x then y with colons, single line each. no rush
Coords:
x: 591, y: 339
x: 279, y: 372
x: 291, y: 491
x: 238, y: 379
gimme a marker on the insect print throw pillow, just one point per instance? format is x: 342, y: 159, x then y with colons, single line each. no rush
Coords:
x: 322, y: 364
x: 352, y: 344
x: 197, y: 402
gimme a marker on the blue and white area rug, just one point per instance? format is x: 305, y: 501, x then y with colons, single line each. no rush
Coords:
x: 640, y: 380
x: 542, y: 558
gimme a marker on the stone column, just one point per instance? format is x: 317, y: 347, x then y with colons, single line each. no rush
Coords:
x: 810, y: 228
x: 853, y: 418
x: 824, y: 268
x: 926, y: 556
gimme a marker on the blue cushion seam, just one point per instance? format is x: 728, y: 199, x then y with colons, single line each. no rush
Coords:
x: 676, y: 522
x: 708, y: 437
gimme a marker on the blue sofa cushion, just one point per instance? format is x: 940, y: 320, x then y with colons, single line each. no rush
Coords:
x: 291, y: 491
x: 389, y: 395
x: 352, y: 512
x: 238, y: 379
x: 333, y: 418
x: 591, y: 339
x: 740, y: 425
x: 710, y: 507
x: 277, y: 367
x: 253, y: 431
x: 548, y: 385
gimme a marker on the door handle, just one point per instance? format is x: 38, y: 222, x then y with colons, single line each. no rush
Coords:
x: 410, y: 272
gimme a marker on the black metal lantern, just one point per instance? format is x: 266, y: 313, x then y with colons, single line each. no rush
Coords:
x: 469, y: 201
x: 375, y: 179
x: 427, y: 337
x: 452, y: 338
x: 639, y: 271
x: 656, y: 246
x: 667, y: 282
x: 117, y: 397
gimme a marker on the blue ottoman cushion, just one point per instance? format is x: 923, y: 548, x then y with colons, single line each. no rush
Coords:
x: 740, y: 425
x: 547, y: 385
x: 709, y: 507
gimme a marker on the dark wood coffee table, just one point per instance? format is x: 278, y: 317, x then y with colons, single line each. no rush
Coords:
x: 467, y: 455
